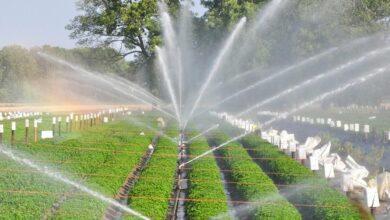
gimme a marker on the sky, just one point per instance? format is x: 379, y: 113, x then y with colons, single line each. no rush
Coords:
x: 38, y: 22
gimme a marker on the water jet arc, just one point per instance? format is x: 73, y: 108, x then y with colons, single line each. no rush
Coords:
x: 57, y: 176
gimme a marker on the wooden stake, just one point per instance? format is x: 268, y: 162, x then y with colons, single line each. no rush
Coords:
x: 27, y: 125
x: 13, y: 129
x: 1, y: 133
x: 54, y: 125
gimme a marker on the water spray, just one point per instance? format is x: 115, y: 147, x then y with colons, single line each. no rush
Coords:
x: 320, y: 98
x: 284, y: 71
x: 271, y: 77
x: 168, y: 82
x: 329, y: 73
x: 57, y: 176
x: 214, y: 149
x: 139, y: 123
x: 101, y: 78
x: 216, y: 65
x: 204, y: 132
x: 173, y: 52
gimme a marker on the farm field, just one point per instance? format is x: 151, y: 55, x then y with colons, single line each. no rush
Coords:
x: 100, y: 157
x: 103, y: 156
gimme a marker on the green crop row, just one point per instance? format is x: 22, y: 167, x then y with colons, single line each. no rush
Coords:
x: 87, y: 156
x: 252, y: 184
x: 149, y: 195
x: 323, y: 202
x: 205, y: 168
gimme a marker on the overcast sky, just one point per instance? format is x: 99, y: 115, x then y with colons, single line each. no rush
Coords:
x: 38, y: 22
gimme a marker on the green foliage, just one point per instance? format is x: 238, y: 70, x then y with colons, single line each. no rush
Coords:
x: 17, y: 66
x: 327, y: 202
x: 154, y: 181
x: 86, y: 156
x: 205, y: 168
x: 252, y: 183
x: 132, y: 24
x: 222, y: 14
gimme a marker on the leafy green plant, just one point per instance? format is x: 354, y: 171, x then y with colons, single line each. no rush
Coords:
x: 252, y: 183
x: 323, y: 202
x: 208, y: 169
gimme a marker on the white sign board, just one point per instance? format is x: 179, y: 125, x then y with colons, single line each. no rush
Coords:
x: 1, y: 129
x: 338, y: 124
x: 105, y: 119
x: 47, y: 134
x: 26, y: 123
x: 13, y: 126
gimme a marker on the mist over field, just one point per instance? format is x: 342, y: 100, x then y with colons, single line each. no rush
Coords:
x: 274, y: 109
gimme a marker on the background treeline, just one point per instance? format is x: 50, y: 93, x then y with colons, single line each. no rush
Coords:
x: 21, y: 68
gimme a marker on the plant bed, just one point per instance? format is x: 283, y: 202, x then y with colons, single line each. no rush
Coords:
x: 100, y: 168
x: 315, y: 198
x: 266, y: 203
x: 150, y: 195
x: 205, y: 168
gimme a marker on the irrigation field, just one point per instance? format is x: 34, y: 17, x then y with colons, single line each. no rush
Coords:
x: 248, y: 179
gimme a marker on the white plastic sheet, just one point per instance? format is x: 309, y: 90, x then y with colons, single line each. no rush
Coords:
x: 314, y: 163
x: 328, y: 170
x: 371, y: 196
x: 383, y: 181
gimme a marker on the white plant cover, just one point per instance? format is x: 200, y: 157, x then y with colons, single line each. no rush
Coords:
x: 301, y: 154
x: 265, y: 136
x: 310, y: 144
x: 314, y: 163
x: 357, y: 169
x: 371, y: 194
x: 329, y: 170
x: 357, y: 172
x: 338, y: 164
x: 322, y: 153
x: 347, y: 182
x: 383, y: 181
x: 284, y: 138
x: 292, y: 145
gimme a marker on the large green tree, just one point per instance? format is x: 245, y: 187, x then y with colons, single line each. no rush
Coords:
x: 132, y: 26
x: 225, y: 13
